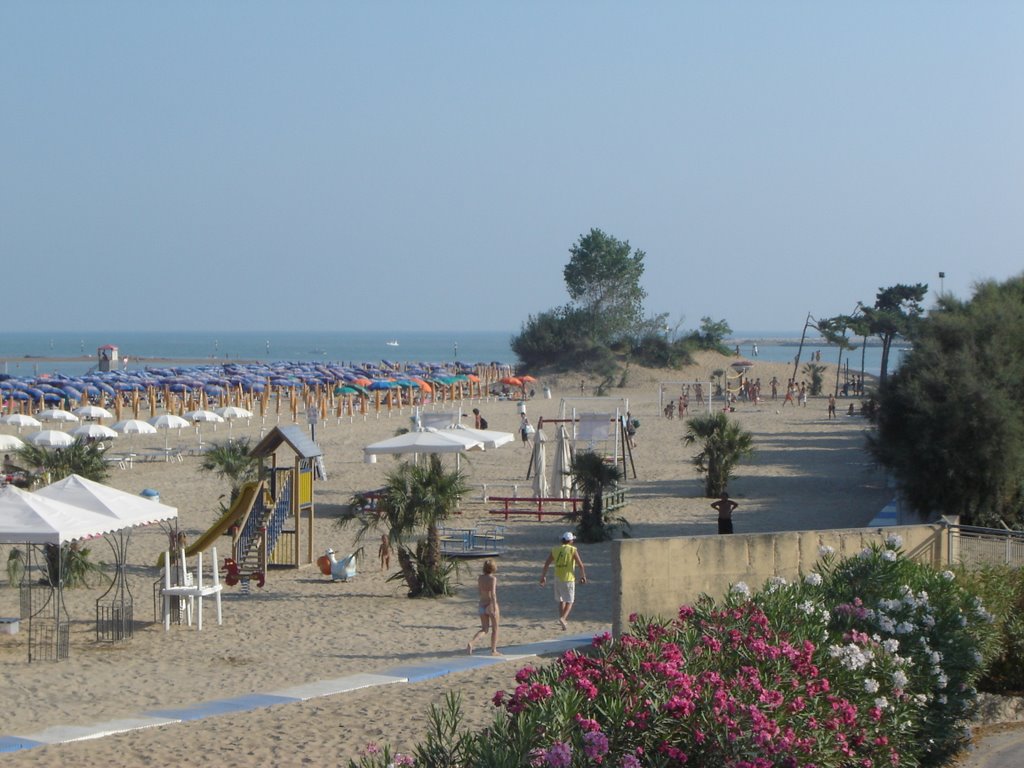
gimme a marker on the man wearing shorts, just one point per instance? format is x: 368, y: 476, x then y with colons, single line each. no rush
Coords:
x: 566, y: 559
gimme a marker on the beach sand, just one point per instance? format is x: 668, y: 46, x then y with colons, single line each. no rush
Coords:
x: 807, y: 473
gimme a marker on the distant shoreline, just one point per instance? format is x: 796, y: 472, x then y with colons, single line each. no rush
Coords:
x: 133, y: 361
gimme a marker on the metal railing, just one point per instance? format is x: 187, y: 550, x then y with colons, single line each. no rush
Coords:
x: 974, y: 547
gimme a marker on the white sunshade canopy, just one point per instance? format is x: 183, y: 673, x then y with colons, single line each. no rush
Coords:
x: 425, y: 441
x: 94, y: 431
x: 135, y: 427
x: 206, y: 416
x: 92, y: 412
x: 20, y: 420
x: 57, y: 414
x: 28, y: 518
x: 127, y: 508
x: 51, y: 438
x: 10, y: 443
x: 168, y: 421
x: 491, y: 438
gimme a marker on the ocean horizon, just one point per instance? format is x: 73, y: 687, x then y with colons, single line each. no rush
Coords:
x: 74, y: 353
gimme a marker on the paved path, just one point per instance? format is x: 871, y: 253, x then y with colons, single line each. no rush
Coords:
x: 423, y: 669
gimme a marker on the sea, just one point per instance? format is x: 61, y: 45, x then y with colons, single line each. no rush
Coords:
x: 74, y: 353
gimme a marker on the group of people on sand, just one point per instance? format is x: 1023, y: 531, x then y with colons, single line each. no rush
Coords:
x: 566, y: 559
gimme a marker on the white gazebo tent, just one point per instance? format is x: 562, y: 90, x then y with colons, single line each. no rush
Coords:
x: 114, y: 609
x: 36, y: 521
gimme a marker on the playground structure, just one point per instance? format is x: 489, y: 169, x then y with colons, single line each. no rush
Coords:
x: 338, y: 570
x: 602, y: 428
x: 271, y: 520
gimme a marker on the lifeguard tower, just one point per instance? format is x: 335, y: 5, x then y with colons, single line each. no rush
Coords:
x: 106, y: 357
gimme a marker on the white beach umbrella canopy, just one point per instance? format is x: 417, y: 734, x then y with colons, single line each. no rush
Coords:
x: 134, y: 427
x: 51, y: 438
x: 94, y: 432
x: 20, y: 420
x: 57, y: 415
x: 92, y: 412
x: 167, y: 422
x: 10, y: 443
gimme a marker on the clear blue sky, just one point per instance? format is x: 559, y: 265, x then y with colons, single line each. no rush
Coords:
x: 397, y: 165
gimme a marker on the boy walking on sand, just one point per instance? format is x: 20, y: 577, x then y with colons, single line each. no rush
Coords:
x: 566, y: 559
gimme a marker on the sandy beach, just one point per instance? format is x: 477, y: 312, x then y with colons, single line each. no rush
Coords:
x: 808, y: 472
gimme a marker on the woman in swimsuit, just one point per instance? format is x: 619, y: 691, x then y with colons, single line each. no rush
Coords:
x: 487, y: 584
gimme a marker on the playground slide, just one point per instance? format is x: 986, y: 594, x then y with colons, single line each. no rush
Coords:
x: 241, y: 506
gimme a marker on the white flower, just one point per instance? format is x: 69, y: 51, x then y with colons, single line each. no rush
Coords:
x: 775, y: 583
x: 813, y: 579
x: 824, y: 550
x: 935, y: 657
x: 871, y: 686
x: 889, y: 556
x: 899, y: 678
x: 978, y: 658
x: 807, y: 607
x: 865, y: 553
x: 942, y: 681
x: 894, y: 540
x: 948, y: 575
x: 851, y: 656
x: 928, y: 620
x: 904, y: 628
x: 740, y: 588
x: 941, y: 699
x: 886, y: 624
x: 891, y: 644
x: 881, y: 702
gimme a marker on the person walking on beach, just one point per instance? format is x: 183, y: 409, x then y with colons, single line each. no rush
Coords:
x: 525, y: 428
x: 724, y: 506
x: 384, y: 552
x: 487, y: 586
x: 566, y: 559
x: 832, y: 406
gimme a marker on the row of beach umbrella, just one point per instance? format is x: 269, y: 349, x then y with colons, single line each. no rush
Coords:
x: 52, y: 438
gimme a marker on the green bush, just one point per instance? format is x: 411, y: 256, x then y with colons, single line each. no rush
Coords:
x: 866, y: 661
x: 1001, y: 589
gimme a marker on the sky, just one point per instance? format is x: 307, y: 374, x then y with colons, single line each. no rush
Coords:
x: 397, y: 165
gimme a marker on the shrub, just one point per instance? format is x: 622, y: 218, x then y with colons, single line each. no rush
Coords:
x: 867, y: 661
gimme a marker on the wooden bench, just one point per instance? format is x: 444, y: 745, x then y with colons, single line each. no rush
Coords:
x: 536, y: 506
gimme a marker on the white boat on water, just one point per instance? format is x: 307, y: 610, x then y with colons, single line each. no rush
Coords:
x: 392, y: 342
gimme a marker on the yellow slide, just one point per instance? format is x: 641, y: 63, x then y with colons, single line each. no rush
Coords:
x: 239, y: 509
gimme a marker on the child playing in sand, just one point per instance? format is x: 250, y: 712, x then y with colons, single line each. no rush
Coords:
x: 487, y: 584
x: 384, y: 552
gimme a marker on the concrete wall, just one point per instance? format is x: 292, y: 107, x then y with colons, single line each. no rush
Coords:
x: 656, y: 576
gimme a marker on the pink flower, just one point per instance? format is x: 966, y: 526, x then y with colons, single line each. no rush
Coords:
x: 595, y: 745
x: 558, y: 755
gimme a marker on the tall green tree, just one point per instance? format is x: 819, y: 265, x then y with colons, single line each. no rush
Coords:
x: 723, y: 443
x: 415, y: 499
x: 834, y: 330
x: 950, y: 428
x: 603, y: 280
x: 712, y: 335
x: 592, y: 475
x: 897, y: 309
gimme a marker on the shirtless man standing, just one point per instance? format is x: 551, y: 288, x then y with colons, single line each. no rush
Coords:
x: 487, y: 584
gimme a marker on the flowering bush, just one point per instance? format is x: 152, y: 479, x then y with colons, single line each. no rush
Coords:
x: 865, y: 662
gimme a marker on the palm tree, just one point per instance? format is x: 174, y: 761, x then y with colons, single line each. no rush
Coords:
x: 723, y: 444
x: 592, y: 475
x: 231, y: 460
x: 417, y: 498
x: 50, y: 465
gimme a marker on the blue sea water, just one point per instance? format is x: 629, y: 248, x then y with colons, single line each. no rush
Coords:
x: 217, y: 347
x: 29, y: 350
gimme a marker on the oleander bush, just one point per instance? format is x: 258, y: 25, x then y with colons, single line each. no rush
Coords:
x: 866, y: 661
x: 1001, y: 589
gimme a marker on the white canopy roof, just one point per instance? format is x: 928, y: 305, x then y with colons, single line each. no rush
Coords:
x: 491, y: 438
x: 127, y: 508
x: 27, y: 518
x: 425, y: 441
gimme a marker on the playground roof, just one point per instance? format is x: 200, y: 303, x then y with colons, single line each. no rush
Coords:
x: 294, y: 436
